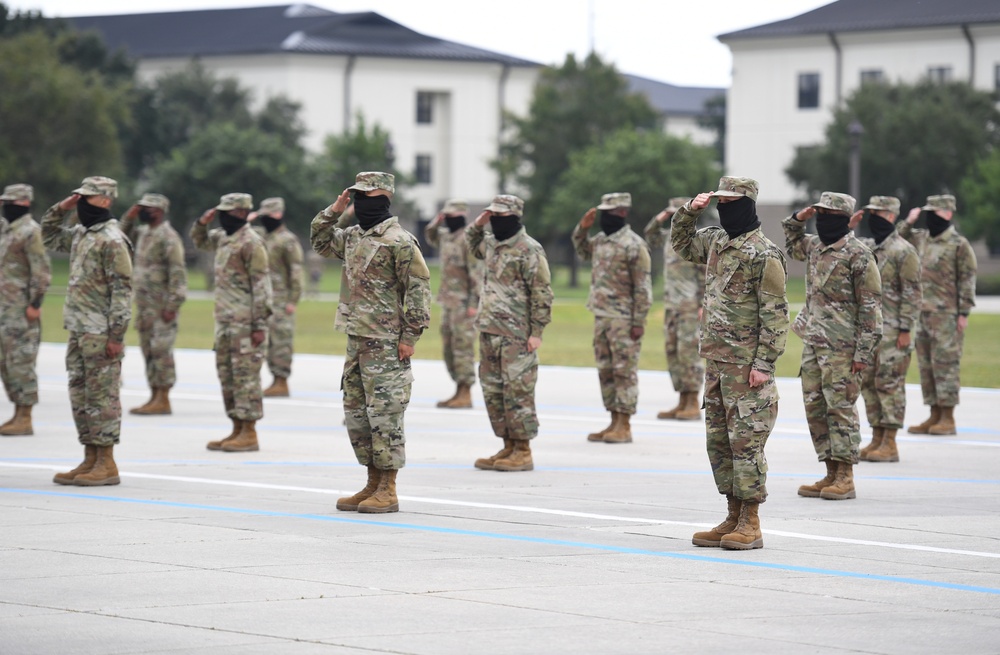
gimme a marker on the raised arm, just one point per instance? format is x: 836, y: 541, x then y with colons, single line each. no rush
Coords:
x: 327, y: 233
x: 798, y: 244
x: 656, y: 229
x: 685, y: 239
x: 200, y: 235
x: 581, y: 238
x: 55, y: 235
x: 475, y: 236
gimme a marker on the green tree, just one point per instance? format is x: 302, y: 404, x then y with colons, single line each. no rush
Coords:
x: 714, y: 119
x: 920, y: 139
x: 979, y: 201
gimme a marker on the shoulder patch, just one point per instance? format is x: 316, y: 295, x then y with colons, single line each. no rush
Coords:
x: 418, y: 267
x: 773, y: 281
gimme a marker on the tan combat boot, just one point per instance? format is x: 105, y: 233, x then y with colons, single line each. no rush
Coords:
x: 924, y: 428
x: 350, y: 503
x: 104, y: 472
x: 672, y: 413
x: 11, y: 420
x: 875, y: 442
x: 384, y: 499
x: 486, y: 463
x: 442, y: 404
x: 461, y: 400
x: 20, y: 425
x: 278, y: 388
x: 747, y: 534
x: 245, y: 441
x: 89, y: 459
x: 813, y: 490
x: 843, y: 485
x: 141, y: 409
x: 886, y: 452
x: 711, y: 538
x: 621, y: 433
x: 158, y: 405
x: 518, y: 460
x: 946, y: 425
x: 237, y: 427
x: 599, y: 436
x: 690, y: 409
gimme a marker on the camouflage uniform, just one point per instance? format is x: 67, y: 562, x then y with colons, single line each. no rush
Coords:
x: 743, y: 328
x: 97, y: 310
x: 243, y: 299
x: 24, y: 278
x: 516, y: 303
x: 284, y: 252
x: 840, y: 324
x: 388, y: 304
x: 161, y: 286
x: 620, y: 297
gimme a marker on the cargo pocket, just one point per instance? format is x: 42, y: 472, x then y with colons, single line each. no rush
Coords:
x: 392, y: 390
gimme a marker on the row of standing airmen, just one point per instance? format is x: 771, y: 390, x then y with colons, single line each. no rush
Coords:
x: 860, y: 310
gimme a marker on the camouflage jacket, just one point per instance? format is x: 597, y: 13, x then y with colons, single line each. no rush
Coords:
x: 517, y: 286
x: 683, y: 282
x: 746, y: 312
x: 948, y: 269
x: 160, y: 278
x: 389, y: 293
x: 843, y: 309
x: 99, y: 296
x: 284, y: 253
x: 461, y: 273
x: 243, y: 293
x: 25, y: 272
x: 620, y: 279
x: 899, y: 269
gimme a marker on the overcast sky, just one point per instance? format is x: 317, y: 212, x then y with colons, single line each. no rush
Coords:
x: 668, y: 40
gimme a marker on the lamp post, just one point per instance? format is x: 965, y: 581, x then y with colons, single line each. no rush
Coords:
x: 854, y: 131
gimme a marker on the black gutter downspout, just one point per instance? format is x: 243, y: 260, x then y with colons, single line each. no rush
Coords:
x: 840, y: 66
x: 972, y: 53
x: 348, y: 74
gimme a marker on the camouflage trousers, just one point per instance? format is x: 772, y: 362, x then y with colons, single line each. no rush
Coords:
x: 280, y: 343
x: 19, y: 339
x: 738, y: 421
x: 94, y: 388
x: 681, y: 335
x: 376, y: 385
x: 507, y: 374
x: 939, y: 356
x: 883, y: 384
x: 617, y: 356
x: 830, y: 391
x: 458, y: 335
x: 156, y: 340
x: 238, y: 363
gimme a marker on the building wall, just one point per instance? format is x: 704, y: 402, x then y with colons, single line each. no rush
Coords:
x: 686, y: 127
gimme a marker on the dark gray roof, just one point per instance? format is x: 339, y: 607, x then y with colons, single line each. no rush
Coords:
x: 870, y: 15
x: 285, y: 28
x: 672, y: 99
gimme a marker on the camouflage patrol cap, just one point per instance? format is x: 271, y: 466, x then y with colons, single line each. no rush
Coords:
x: 885, y: 203
x: 18, y: 192
x: 154, y: 200
x: 373, y: 181
x: 615, y: 200
x: 677, y: 203
x: 271, y: 206
x: 837, y: 202
x: 98, y: 186
x: 455, y: 206
x: 232, y: 201
x: 737, y: 187
x: 506, y: 204
x: 943, y: 203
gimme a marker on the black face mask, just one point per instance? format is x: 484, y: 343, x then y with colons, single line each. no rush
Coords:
x: 270, y: 223
x: 13, y: 212
x: 880, y: 227
x: 610, y: 223
x: 935, y: 224
x: 454, y: 223
x: 738, y: 216
x: 371, y: 210
x: 831, y: 227
x: 229, y: 222
x: 146, y: 216
x: 504, y: 227
x: 91, y: 215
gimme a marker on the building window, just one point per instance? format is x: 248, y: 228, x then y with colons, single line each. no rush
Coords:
x: 423, y: 172
x: 425, y: 108
x: 872, y: 76
x: 808, y: 90
x: 939, y: 74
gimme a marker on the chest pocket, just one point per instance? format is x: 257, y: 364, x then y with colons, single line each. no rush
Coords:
x: 834, y: 266
x: 733, y: 273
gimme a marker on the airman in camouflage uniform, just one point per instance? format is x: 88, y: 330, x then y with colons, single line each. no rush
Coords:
x: 243, y: 300
x: 388, y: 309
x: 461, y: 278
x: 683, y: 295
x: 883, y: 384
x: 620, y: 296
x: 514, y: 308
x: 948, y: 282
x: 744, y: 325
x: 284, y: 252
x: 161, y: 287
x: 25, y: 274
x: 97, y: 311
x: 841, y: 326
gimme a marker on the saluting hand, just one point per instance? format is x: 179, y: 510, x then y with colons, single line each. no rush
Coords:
x: 207, y: 217
x: 483, y: 218
x: 805, y: 214
x: 132, y: 213
x: 914, y: 214
x: 855, y: 219
x: 701, y: 201
x: 340, y: 204
x: 69, y: 202
x: 588, y: 219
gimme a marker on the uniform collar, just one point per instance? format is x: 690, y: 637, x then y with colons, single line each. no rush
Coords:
x: 103, y: 224
x: 944, y: 235
x: 619, y: 235
x: 738, y: 241
x: 380, y: 228
x: 838, y: 245
x: 893, y: 235
x: 514, y: 240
